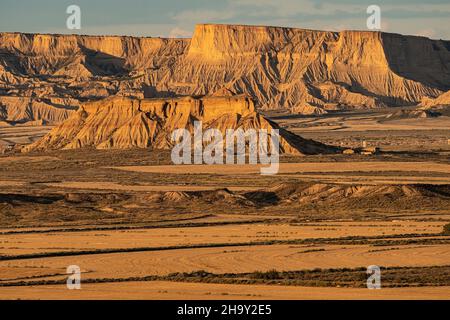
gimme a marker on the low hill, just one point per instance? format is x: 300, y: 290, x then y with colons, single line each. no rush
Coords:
x: 122, y: 123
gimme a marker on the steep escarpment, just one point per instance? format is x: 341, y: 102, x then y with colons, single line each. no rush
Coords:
x: 295, y: 67
x: 305, y: 71
x: 122, y: 123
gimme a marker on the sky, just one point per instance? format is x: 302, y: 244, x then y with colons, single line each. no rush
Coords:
x: 177, y: 18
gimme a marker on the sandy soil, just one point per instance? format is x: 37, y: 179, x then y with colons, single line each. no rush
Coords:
x: 73, y: 241
x: 217, y: 218
x: 22, y: 134
x: 231, y: 260
x: 162, y: 290
x: 6, y: 159
x: 295, y: 168
x: 91, y: 171
x: 11, y: 183
x: 157, y: 188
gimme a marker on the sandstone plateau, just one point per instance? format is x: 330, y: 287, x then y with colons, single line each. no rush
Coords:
x: 45, y: 77
x: 123, y: 123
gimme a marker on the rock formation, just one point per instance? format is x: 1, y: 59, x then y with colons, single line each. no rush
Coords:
x: 27, y: 109
x: 123, y: 123
x: 304, y: 71
x: 412, y: 114
x: 441, y: 101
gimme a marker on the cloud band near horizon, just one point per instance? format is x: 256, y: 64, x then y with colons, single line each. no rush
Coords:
x: 177, y: 18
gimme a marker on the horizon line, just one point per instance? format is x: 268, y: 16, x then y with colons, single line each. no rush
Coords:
x: 219, y: 24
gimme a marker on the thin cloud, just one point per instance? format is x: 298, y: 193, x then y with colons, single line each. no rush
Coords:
x: 180, y: 33
x: 198, y: 16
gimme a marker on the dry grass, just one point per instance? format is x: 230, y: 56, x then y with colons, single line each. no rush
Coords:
x: 236, y: 259
x: 126, y: 214
x: 288, y: 168
x: 162, y: 290
x: 27, y: 243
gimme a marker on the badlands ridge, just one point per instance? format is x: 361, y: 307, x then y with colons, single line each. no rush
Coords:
x: 122, y: 123
x: 45, y: 78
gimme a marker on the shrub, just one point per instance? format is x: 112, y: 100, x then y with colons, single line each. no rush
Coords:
x: 446, y: 230
x: 269, y: 275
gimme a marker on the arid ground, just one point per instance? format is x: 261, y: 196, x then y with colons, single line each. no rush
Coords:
x: 142, y: 228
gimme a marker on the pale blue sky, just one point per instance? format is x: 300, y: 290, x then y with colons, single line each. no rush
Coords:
x: 430, y: 18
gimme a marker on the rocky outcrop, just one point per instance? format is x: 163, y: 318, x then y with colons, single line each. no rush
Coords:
x: 441, y: 101
x: 301, y: 70
x: 27, y: 109
x: 328, y: 197
x: 122, y: 123
x: 412, y: 114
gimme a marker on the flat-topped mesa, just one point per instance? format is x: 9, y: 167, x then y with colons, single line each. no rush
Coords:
x: 303, y: 69
x: 414, y: 57
x: 300, y: 70
x: 372, y: 48
x: 222, y: 41
x: 122, y: 123
x: 206, y: 108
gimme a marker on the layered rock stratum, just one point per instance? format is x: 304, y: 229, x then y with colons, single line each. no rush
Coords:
x: 302, y: 71
x: 123, y: 123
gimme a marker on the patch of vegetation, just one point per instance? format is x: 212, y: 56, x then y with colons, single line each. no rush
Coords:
x: 351, y: 240
x: 446, y: 229
x: 312, y: 250
x: 338, y: 277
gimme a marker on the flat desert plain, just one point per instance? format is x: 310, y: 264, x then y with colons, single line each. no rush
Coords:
x: 139, y: 227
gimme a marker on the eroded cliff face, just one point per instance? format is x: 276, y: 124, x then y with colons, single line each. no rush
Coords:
x: 27, y: 109
x: 300, y: 70
x: 123, y: 123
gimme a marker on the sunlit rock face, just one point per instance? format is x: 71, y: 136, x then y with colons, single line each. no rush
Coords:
x: 303, y: 71
x: 123, y: 123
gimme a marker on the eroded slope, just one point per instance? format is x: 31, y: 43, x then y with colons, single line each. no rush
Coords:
x: 122, y: 123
